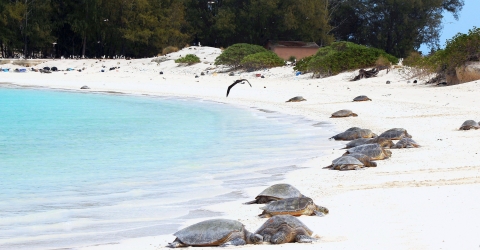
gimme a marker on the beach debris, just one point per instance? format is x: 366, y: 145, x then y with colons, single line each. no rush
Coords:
x: 469, y: 124
x: 45, y: 71
x: 54, y: 69
x: 215, y: 232
x: 395, y: 134
x: 364, y: 159
x: 406, y: 143
x: 343, y: 113
x: 347, y: 163
x: 415, y: 81
x: 388, y: 82
x: 276, y: 192
x: 231, y: 74
x: 362, y: 73
x: 241, y: 81
x: 285, y: 229
x: 296, y: 99
x: 161, y: 72
x: 293, y: 206
x: 361, y: 98
x: 84, y: 87
x: 374, y: 151
x: 196, y: 76
x: 354, y: 133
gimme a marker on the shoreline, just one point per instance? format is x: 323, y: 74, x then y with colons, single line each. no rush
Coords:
x: 421, y: 198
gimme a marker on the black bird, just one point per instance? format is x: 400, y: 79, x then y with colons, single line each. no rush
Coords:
x: 241, y: 81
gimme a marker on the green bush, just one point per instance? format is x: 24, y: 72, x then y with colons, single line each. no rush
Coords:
x: 188, y: 59
x: 233, y: 55
x: 343, y: 56
x: 260, y: 60
x: 302, y: 64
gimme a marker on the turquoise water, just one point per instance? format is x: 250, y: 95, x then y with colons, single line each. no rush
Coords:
x: 80, y: 169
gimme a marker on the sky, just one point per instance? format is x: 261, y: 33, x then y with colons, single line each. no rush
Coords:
x: 468, y: 18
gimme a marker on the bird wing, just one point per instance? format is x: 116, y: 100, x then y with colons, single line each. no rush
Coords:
x: 231, y: 86
x: 248, y: 82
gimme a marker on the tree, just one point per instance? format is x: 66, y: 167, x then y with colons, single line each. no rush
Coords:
x: 396, y: 26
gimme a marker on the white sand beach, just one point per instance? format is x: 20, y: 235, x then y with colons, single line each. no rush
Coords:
x: 420, y: 198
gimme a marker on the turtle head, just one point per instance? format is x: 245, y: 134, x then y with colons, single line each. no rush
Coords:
x: 253, y: 238
x: 323, y: 210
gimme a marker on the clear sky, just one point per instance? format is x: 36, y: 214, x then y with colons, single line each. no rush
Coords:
x: 468, y: 18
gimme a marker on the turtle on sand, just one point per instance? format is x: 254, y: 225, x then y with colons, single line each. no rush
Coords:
x: 469, y: 124
x: 296, y: 99
x: 361, y: 98
x: 347, y: 163
x: 374, y: 151
x: 357, y: 142
x: 276, y: 192
x: 215, y: 232
x: 284, y: 229
x: 364, y: 159
x: 293, y: 206
x: 354, y: 134
x: 384, y: 142
x: 406, y: 143
x: 343, y: 113
x: 395, y: 134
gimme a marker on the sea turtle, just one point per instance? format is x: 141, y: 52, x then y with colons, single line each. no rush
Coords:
x: 284, y: 229
x: 347, y: 163
x: 354, y: 134
x: 361, y: 98
x: 406, y: 143
x: 84, y: 87
x: 366, y: 160
x: 343, y: 113
x: 296, y: 99
x: 276, y: 192
x: 384, y: 142
x: 215, y: 232
x: 395, y: 134
x: 469, y: 124
x: 293, y: 206
x: 374, y: 151
x: 357, y: 142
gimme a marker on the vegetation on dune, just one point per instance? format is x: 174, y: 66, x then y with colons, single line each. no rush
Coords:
x: 343, y: 56
x: 233, y: 55
x: 261, y: 60
x: 188, y: 59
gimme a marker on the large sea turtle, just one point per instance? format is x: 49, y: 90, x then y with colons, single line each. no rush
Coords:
x: 215, y: 232
x: 469, y: 124
x: 293, y: 206
x: 276, y: 192
x: 361, y: 98
x: 357, y: 142
x: 395, y: 134
x: 284, y: 229
x: 353, y: 134
x: 343, y: 113
x: 406, y: 143
x: 365, y: 159
x: 347, y: 163
x: 297, y: 99
x: 374, y: 151
x: 382, y: 141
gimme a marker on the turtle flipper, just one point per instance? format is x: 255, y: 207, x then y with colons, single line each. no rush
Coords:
x: 251, y: 202
x: 279, y: 238
x: 234, y: 242
x: 301, y: 238
x: 176, y: 243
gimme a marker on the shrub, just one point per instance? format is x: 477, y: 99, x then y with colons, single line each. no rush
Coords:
x: 233, y: 55
x: 260, y: 60
x: 302, y: 64
x: 292, y: 59
x: 188, y: 59
x: 169, y: 49
x: 342, y: 56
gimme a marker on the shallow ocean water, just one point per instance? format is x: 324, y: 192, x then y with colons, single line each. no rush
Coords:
x: 78, y: 169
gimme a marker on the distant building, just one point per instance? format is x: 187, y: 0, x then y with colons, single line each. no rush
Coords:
x: 297, y: 49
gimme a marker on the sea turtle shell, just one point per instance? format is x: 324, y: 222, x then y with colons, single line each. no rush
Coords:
x: 361, y: 98
x: 469, y: 124
x: 284, y: 229
x: 357, y: 142
x: 276, y: 192
x: 395, y: 134
x: 296, y: 99
x: 384, y: 142
x: 374, y: 151
x: 366, y: 160
x: 406, y: 143
x: 293, y: 206
x: 343, y: 113
x: 212, y: 232
x: 347, y: 163
x: 354, y: 134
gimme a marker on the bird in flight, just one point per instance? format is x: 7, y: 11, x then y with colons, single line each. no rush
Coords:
x: 241, y: 81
